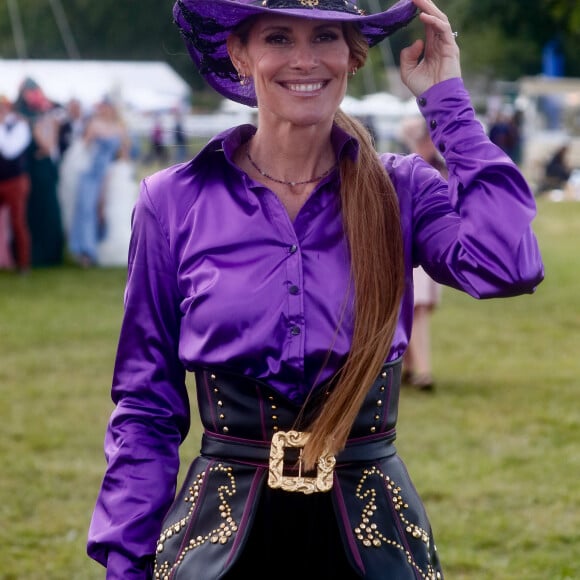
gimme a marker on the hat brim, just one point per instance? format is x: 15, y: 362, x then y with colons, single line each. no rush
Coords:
x: 206, y: 24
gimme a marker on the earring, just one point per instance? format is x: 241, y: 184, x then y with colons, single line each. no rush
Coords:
x: 353, y: 71
x: 243, y: 79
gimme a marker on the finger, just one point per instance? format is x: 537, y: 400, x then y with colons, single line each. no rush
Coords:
x: 429, y: 7
x: 410, y: 55
x: 437, y: 30
x: 435, y: 21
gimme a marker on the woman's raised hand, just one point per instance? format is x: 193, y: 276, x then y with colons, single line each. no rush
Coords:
x: 434, y: 59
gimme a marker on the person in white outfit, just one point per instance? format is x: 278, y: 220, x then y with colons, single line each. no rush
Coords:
x: 120, y: 193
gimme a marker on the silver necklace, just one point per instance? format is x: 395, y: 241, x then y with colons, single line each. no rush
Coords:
x: 292, y: 183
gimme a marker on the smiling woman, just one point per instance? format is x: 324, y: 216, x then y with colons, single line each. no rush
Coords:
x: 277, y: 267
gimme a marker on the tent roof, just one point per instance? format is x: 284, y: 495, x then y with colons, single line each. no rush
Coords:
x: 144, y: 86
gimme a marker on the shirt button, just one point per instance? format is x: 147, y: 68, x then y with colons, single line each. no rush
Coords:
x: 433, y: 124
x: 422, y: 101
x: 293, y: 248
x: 293, y: 289
x: 295, y: 330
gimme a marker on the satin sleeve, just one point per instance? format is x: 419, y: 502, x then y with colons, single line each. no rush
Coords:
x: 472, y: 232
x: 152, y: 414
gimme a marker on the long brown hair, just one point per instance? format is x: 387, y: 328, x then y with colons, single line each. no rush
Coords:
x: 372, y: 225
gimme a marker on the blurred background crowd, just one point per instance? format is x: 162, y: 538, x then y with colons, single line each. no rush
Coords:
x: 69, y: 177
x: 69, y: 171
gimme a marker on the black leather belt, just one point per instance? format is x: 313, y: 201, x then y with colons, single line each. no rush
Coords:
x: 231, y: 448
x: 283, y: 457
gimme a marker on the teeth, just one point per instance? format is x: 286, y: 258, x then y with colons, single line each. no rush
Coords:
x: 306, y: 88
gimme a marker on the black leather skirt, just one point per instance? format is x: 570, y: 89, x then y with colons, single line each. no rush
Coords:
x: 245, y: 511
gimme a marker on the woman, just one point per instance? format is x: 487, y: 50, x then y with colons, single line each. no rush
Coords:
x: 75, y: 159
x: 417, y: 368
x: 277, y: 266
x: 43, y: 208
x: 120, y: 192
x: 104, y: 136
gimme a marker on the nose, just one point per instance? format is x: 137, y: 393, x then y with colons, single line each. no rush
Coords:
x: 304, y: 56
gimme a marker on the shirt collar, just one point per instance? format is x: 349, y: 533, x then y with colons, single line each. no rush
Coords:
x: 229, y: 141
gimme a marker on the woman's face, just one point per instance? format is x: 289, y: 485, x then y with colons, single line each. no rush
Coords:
x: 299, y: 67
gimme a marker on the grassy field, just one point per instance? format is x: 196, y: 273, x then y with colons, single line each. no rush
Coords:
x: 495, y: 451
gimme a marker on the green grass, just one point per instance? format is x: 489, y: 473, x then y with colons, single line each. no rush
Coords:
x: 494, y: 452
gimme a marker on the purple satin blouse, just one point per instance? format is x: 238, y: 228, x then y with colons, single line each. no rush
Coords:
x: 220, y: 276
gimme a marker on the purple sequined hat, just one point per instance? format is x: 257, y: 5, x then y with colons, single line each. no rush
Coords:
x: 205, y: 25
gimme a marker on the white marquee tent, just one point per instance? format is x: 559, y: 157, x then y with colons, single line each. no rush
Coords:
x: 140, y: 86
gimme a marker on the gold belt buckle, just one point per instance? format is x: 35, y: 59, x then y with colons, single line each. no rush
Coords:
x: 277, y: 479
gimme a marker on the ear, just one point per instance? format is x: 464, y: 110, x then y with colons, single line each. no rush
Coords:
x: 237, y: 53
x: 353, y: 64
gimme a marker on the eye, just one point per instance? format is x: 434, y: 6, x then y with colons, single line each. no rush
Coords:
x: 277, y: 38
x: 327, y: 36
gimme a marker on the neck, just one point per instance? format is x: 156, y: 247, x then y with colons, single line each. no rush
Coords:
x: 290, y: 157
x: 290, y: 182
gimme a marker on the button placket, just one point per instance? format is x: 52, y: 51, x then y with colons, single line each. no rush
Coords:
x: 295, y: 300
